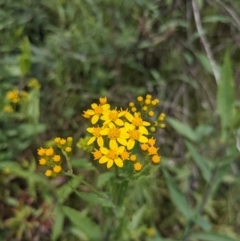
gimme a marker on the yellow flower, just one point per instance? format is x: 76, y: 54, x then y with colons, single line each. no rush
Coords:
x: 113, y: 116
x: 137, y: 166
x: 97, y: 154
x: 95, y: 131
x: 49, y: 151
x: 152, y: 150
x: 57, y: 169
x: 8, y: 109
x: 133, y: 158
x: 62, y: 142
x: 57, y: 158
x: 139, y: 98
x: 138, y: 122
x: 144, y: 146
x: 115, y: 135
x: 151, y: 113
x: 42, y: 162
x: 111, y: 156
x: 41, y: 151
x: 13, y: 96
x: 125, y: 155
x: 57, y: 140
x: 33, y: 83
x: 97, y: 111
x: 134, y: 135
x: 103, y: 100
x: 68, y: 149
x: 151, y: 141
x: 48, y: 173
x: 156, y: 159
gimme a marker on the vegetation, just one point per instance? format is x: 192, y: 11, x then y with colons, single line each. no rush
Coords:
x: 57, y: 58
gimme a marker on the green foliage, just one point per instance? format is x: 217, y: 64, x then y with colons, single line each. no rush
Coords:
x: 80, y: 50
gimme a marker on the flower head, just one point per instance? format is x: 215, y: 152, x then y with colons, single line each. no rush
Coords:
x: 112, y: 156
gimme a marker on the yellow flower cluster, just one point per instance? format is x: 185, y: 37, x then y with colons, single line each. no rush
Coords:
x: 53, y: 161
x: 15, y: 97
x: 116, y: 133
x: 33, y: 83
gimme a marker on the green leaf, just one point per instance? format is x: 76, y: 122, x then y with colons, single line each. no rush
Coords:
x: 103, y: 178
x: 85, y: 224
x: 200, y: 162
x: 216, y: 18
x: 202, y: 58
x: 182, y: 129
x: 177, y: 197
x: 210, y: 236
x: 58, y: 224
x: 64, y: 191
x: 94, y: 199
x: 225, y: 94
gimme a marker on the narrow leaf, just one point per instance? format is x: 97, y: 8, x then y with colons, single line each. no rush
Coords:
x: 85, y: 224
x: 210, y: 236
x: 225, y: 94
x: 182, y: 129
x: 178, y: 198
x: 199, y: 160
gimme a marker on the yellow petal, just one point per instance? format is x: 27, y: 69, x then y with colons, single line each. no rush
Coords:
x: 143, y: 130
x: 119, y: 122
x: 100, y: 141
x: 130, y: 144
x: 90, y: 112
x: 129, y: 117
x: 120, y: 149
x: 104, y: 132
x: 143, y: 139
x: 113, y: 144
x: 103, y: 159
x: 118, y: 162
x: 90, y: 129
x: 105, y: 107
x: 122, y: 141
x: 104, y: 150
x: 146, y: 123
x: 94, y: 105
x: 92, y: 139
x: 110, y: 163
x: 95, y: 119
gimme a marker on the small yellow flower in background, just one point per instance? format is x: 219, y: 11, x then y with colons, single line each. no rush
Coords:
x: 57, y: 169
x: 42, y: 162
x: 152, y: 150
x: 8, y: 109
x: 139, y: 98
x: 152, y: 141
x: 48, y: 173
x: 68, y: 149
x: 57, y: 140
x: 62, y: 142
x: 41, y: 151
x: 13, y: 96
x: 144, y: 147
x: 57, y: 158
x: 151, y: 113
x: 138, y: 166
x: 150, y: 232
x: 49, y: 151
x: 131, y: 104
x: 34, y: 84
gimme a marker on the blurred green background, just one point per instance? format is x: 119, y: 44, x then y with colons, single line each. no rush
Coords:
x: 80, y: 50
